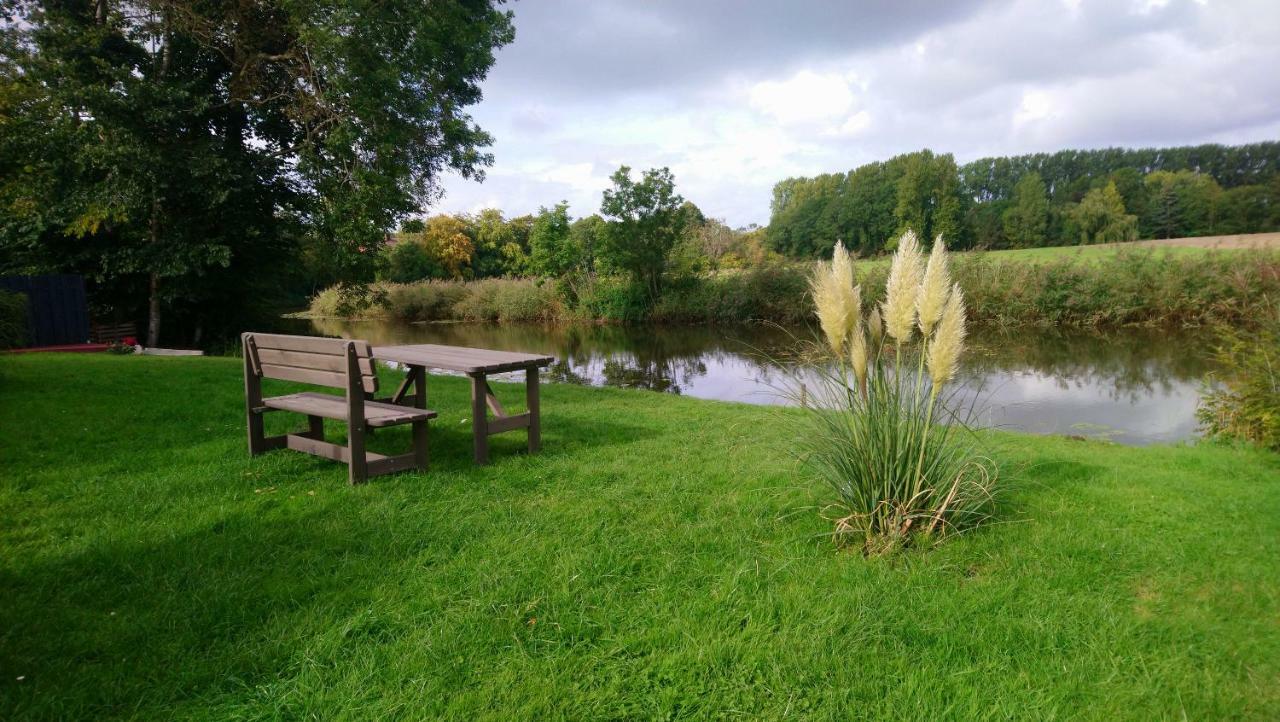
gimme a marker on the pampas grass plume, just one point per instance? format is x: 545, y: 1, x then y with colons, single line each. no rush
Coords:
x: 902, y: 288
x: 858, y: 356
x: 944, y: 351
x: 934, y: 288
x: 837, y: 300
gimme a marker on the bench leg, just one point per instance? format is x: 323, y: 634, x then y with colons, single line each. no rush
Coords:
x: 532, y: 406
x: 420, y: 445
x: 358, y: 466
x: 257, y: 438
x: 315, y: 427
x: 480, y: 418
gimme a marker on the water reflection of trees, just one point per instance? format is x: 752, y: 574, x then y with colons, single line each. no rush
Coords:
x: 663, y: 358
x: 1130, y: 363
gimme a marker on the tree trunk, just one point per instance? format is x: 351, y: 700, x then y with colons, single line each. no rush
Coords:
x: 153, y: 312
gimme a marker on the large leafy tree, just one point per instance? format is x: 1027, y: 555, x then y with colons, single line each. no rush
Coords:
x: 198, y: 141
x: 1100, y: 217
x: 1026, y: 221
x: 552, y: 251
x: 645, y: 220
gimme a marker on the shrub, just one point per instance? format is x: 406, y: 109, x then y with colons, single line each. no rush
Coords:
x: 1243, y: 401
x: 879, y: 429
x: 13, y: 320
x: 613, y: 298
x: 424, y: 301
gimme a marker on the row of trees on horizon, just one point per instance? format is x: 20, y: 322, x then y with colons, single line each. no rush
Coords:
x: 1043, y: 199
x: 1064, y: 198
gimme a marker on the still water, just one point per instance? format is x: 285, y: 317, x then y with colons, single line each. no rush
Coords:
x: 1134, y: 386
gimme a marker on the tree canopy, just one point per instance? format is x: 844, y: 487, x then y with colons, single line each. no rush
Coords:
x: 180, y: 149
x: 1028, y: 200
x: 646, y: 219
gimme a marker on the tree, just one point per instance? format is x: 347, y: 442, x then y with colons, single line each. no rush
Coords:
x: 587, y: 235
x: 200, y: 143
x: 1026, y: 221
x: 446, y: 241
x: 1250, y: 209
x: 1100, y: 217
x: 552, y: 251
x: 1181, y: 203
x: 409, y: 261
x: 645, y: 221
x: 715, y: 239
x: 496, y: 244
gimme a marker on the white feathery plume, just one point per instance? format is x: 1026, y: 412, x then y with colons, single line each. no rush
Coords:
x: 902, y: 288
x: 934, y: 288
x: 944, y: 351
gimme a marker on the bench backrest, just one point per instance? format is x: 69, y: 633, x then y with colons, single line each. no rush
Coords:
x: 310, y: 360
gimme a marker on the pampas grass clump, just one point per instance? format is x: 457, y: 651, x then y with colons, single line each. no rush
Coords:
x: 904, y: 467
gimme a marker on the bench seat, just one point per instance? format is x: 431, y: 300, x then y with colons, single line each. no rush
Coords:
x: 335, y: 407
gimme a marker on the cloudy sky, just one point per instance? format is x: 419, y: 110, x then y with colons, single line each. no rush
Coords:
x: 734, y: 95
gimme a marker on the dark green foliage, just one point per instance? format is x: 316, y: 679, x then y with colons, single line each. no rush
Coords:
x: 1100, y: 217
x: 989, y: 203
x: 1243, y: 399
x: 868, y: 205
x: 13, y: 320
x: 189, y: 157
x: 553, y: 250
x: 1026, y: 222
x: 646, y: 219
x: 409, y: 261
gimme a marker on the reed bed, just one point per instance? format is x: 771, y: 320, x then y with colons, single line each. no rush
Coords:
x: 1141, y: 286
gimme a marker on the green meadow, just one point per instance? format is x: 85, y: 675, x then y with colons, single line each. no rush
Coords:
x: 663, y: 557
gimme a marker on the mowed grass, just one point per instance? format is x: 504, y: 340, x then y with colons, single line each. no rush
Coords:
x: 1174, y: 246
x: 662, y: 558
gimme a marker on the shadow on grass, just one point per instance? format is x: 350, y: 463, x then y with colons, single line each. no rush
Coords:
x: 136, y: 625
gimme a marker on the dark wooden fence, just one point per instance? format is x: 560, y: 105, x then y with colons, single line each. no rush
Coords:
x: 57, y: 309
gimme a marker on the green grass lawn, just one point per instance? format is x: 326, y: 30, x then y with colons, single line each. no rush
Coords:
x: 662, y: 558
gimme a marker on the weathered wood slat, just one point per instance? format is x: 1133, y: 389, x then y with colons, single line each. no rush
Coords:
x: 327, y: 450
x: 492, y: 400
x: 306, y: 376
x: 335, y: 407
x: 460, y: 358
x: 391, y: 464
x: 307, y: 360
x: 308, y: 344
x: 508, y: 423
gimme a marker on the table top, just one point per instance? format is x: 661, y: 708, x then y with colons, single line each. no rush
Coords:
x: 460, y: 358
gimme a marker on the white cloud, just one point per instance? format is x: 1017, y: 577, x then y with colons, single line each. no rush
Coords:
x: 734, y: 97
x: 805, y: 97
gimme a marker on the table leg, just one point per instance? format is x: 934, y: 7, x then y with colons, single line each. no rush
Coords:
x: 419, y: 375
x: 479, y: 417
x: 531, y: 405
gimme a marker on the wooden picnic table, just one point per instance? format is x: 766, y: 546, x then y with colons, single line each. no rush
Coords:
x: 477, y: 363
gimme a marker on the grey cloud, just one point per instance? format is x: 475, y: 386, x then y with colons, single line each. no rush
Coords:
x: 666, y: 83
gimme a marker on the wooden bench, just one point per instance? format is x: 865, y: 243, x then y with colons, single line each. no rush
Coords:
x: 335, y: 363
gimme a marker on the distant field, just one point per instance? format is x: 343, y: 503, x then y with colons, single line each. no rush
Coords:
x: 1264, y: 241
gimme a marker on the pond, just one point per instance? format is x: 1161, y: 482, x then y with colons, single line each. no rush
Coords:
x: 1133, y: 386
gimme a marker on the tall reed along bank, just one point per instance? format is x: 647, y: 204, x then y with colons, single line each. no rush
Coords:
x: 1076, y: 288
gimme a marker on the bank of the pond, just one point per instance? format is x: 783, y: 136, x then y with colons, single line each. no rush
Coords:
x: 662, y: 558
x: 1138, y: 286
